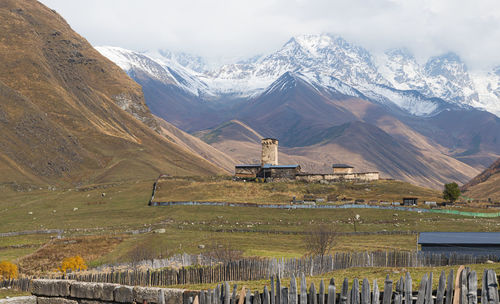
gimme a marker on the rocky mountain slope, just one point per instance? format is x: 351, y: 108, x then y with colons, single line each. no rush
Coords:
x: 318, y: 129
x: 68, y: 115
x: 486, y: 185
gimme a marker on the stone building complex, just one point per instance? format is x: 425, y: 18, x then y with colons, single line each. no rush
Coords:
x: 270, y: 168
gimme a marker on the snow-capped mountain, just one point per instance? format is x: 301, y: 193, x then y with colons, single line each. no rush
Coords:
x: 393, y: 79
x: 448, y: 78
x: 163, y: 68
x: 402, y: 71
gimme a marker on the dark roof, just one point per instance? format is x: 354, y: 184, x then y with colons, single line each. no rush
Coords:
x: 267, y: 166
x: 341, y: 166
x: 269, y: 138
x: 248, y: 166
x: 443, y: 238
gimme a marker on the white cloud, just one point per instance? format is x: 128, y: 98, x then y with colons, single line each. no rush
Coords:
x: 242, y: 28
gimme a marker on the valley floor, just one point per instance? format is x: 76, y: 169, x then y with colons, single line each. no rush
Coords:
x: 105, y: 223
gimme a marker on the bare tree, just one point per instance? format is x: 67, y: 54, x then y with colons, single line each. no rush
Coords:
x: 320, y: 240
x: 223, y: 252
x: 139, y: 253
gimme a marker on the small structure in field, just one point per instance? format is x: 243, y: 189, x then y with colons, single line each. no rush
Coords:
x: 342, y: 169
x: 474, y: 243
x: 269, y: 167
x: 410, y: 201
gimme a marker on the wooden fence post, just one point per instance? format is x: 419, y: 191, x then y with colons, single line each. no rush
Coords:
x: 472, y: 287
x: 226, y: 293
x: 321, y: 298
x: 273, y: 295
x: 243, y: 293
x: 265, y: 296
x: 355, y: 291
x: 365, y: 292
x: 441, y: 288
x: 292, y: 294
x: 458, y: 285
x: 256, y: 297
x: 285, y: 296
x: 278, y: 290
x: 421, y: 290
x: 331, y: 292
x: 387, y: 291
x: 492, y: 287
x: 303, y: 289
x: 398, y: 292
x: 233, y: 296
x: 312, y: 295
x: 449, y: 288
x: 376, y: 293
x: 428, y: 291
x: 344, y: 293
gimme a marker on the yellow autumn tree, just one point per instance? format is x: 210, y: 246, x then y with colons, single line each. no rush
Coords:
x: 75, y: 263
x: 8, y: 270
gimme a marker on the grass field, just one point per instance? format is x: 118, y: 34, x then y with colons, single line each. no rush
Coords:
x: 105, y: 222
x: 10, y: 293
x: 224, y: 190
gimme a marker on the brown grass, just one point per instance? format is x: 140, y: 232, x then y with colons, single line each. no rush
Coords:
x: 224, y: 190
x: 49, y: 256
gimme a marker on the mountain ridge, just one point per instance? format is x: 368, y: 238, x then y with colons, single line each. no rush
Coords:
x: 70, y: 116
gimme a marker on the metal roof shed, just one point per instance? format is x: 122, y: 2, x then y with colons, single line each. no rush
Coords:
x: 475, y: 243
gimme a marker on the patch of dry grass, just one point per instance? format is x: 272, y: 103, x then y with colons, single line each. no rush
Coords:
x: 224, y: 190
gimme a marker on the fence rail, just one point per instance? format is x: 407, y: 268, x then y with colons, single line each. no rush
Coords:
x: 259, y: 269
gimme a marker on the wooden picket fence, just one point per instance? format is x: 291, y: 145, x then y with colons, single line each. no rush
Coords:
x: 258, y: 269
x: 462, y: 289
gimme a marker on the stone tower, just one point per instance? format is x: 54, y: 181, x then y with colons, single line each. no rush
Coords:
x: 269, y: 151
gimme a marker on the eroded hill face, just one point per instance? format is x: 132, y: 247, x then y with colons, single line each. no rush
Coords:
x: 486, y: 185
x: 69, y: 115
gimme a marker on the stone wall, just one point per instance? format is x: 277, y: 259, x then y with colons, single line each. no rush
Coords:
x: 74, y: 292
x: 364, y: 177
x: 246, y: 172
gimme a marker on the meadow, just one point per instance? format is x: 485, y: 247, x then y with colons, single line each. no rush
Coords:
x: 105, y: 222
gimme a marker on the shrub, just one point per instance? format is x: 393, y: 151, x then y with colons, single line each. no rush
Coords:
x: 75, y: 263
x: 8, y: 270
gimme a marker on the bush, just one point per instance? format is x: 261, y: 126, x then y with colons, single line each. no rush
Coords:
x: 75, y: 263
x: 8, y: 270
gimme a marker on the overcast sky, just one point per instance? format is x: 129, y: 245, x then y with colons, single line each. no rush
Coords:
x: 237, y: 29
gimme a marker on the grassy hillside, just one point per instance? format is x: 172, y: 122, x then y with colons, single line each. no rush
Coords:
x: 226, y: 190
x: 486, y: 185
x: 68, y: 115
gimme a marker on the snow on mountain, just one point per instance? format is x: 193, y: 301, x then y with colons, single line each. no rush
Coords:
x: 329, y: 61
x: 487, y: 85
x: 189, y: 61
x: 403, y: 72
x: 311, y: 54
x: 158, y: 67
x: 129, y: 60
x: 448, y: 78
